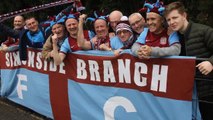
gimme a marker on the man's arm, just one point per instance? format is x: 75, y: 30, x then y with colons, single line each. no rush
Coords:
x: 82, y: 42
x: 135, y: 48
x: 166, y: 51
x: 206, y: 67
x: 58, y: 57
x: 208, y: 39
x: 47, y: 48
x: 8, y: 31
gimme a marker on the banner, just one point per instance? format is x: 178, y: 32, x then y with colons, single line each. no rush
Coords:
x: 95, y: 85
x: 33, y: 9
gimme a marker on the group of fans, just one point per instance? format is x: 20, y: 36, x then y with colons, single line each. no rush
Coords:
x: 166, y: 31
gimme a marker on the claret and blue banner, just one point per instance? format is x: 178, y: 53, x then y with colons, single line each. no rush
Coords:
x: 95, y: 85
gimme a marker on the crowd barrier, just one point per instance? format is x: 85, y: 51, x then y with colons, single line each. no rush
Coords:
x: 99, y: 86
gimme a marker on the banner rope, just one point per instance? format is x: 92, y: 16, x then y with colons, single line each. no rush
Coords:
x: 32, y: 9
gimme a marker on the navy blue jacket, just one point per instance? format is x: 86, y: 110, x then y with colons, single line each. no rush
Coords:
x: 25, y: 42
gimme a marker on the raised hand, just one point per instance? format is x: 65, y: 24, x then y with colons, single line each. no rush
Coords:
x: 55, y: 39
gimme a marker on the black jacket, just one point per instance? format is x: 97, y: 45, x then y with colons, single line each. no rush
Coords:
x: 199, y: 41
x: 7, y: 31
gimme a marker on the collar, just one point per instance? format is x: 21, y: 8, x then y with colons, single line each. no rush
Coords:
x: 33, y: 33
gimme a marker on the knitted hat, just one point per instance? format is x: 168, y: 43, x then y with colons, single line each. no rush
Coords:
x: 123, y: 25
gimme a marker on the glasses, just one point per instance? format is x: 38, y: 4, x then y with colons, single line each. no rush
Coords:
x: 122, y: 31
x: 136, y: 22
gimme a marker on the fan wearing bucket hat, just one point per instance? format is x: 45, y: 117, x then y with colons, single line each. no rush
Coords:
x: 156, y: 40
x: 59, y: 33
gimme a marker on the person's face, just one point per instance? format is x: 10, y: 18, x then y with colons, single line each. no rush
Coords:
x: 154, y: 22
x: 59, y: 30
x: 32, y: 24
x: 101, y: 28
x: 176, y: 20
x: 18, y: 22
x: 114, y: 19
x: 124, y: 35
x: 137, y: 23
x: 72, y: 26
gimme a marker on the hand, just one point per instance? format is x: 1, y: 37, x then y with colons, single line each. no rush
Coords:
x: 117, y: 52
x: 55, y: 39
x: 4, y: 47
x: 205, y: 67
x: 47, y: 57
x: 82, y: 17
x: 94, y: 40
x: 51, y: 53
x: 111, y: 34
x: 144, y: 52
x: 104, y: 47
